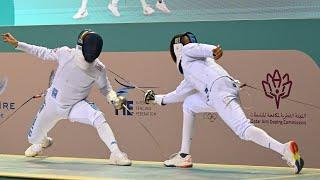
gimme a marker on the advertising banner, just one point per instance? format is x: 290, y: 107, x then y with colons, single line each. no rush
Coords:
x: 281, y: 98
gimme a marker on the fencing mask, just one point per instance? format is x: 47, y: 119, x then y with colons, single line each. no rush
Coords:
x: 90, y: 44
x: 176, y: 45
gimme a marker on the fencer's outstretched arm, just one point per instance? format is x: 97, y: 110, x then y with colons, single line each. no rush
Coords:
x: 106, y: 88
x: 40, y: 52
x: 182, y: 91
x: 103, y: 81
x: 202, y: 51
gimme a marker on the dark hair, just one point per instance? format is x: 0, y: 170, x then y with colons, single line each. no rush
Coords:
x: 192, y: 38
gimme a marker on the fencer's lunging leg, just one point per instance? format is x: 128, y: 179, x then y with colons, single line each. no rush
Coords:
x: 106, y: 134
x: 260, y: 137
x: 231, y: 112
x: 117, y: 157
x: 45, y: 120
x: 187, y: 130
x: 88, y: 113
x: 224, y: 98
x: 193, y: 104
x: 183, y: 157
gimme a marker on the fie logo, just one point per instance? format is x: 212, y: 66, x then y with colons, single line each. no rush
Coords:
x: 125, y: 111
x: 124, y: 91
x: 277, y: 87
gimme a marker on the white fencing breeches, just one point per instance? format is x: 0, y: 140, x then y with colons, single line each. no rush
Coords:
x: 224, y: 99
x: 193, y: 104
x: 83, y: 112
x: 225, y: 103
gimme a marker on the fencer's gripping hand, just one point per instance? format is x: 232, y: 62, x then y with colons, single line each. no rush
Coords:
x: 217, y: 52
x: 9, y: 39
x: 115, y: 100
x: 151, y: 97
x: 120, y: 102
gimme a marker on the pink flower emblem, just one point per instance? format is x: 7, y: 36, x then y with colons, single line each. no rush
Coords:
x: 277, y: 87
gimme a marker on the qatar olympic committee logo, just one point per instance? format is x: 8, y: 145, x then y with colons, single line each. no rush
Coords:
x: 277, y: 87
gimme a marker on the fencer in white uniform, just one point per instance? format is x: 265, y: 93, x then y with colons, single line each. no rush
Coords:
x: 77, y: 72
x: 113, y: 7
x: 207, y: 87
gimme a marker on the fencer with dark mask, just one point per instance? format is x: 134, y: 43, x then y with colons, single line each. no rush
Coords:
x: 78, y: 70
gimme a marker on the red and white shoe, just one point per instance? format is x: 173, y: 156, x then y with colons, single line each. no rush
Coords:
x: 292, y: 156
x: 177, y: 161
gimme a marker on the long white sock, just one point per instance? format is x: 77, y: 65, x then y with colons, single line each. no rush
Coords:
x: 107, y: 137
x: 143, y: 3
x: 114, y: 2
x: 84, y: 5
x: 187, y: 132
x: 260, y: 137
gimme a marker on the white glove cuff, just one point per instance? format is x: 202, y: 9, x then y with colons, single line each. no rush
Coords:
x: 112, y: 96
x: 159, y: 99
